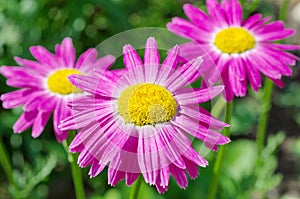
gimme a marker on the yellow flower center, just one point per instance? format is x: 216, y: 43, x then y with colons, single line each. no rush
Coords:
x: 234, y: 40
x: 146, y: 104
x: 58, y: 82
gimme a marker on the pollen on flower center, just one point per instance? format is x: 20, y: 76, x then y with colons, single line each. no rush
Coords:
x: 146, y: 104
x: 58, y: 82
x: 234, y: 40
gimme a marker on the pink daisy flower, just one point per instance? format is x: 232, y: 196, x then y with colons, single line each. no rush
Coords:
x: 138, y: 121
x: 44, y: 87
x: 238, y: 50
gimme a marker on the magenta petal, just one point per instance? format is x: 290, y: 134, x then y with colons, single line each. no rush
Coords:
x: 102, y: 64
x: 199, y: 96
x: 16, y: 98
x: 35, y: 66
x: 189, y: 72
x: 208, y: 119
x: 87, y: 58
x: 61, y: 112
x: 91, y: 84
x: 278, y: 82
x: 131, y: 178
x: 164, y: 176
x: 276, y: 35
x: 179, y: 176
x: 253, y: 76
x: 270, y: 27
x: 186, y: 29
x: 192, y: 168
x: 237, y: 77
x: 96, y: 169
x: 131, y: 58
x: 216, y: 12
x: 17, y: 72
x: 251, y: 21
x: 172, y: 57
x: 44, y: 56
x: 148, y: 155
x: 228, y: 92
x: 169, y: 64
x: 67, y: 51
x: 282, y: 46
x: 34, y: 101
x: 114, y: 176
x: 161, y: 189
x: 234, y: 11
x: 198, y: 17
x: 151, y: 55
x: 24, y: 122
x: 194, y: 128
x: 40, y: 123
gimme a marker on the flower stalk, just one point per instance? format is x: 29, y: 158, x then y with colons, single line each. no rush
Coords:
x: 220, y: 157
x: 5, y: 163
x: 134, y: 191
x: 266, y: 97
x: 76, y: 171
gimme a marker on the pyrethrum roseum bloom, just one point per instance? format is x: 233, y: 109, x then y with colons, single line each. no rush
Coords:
x: 44, y: 86
x: 137, y: 121
x: 240, y: 50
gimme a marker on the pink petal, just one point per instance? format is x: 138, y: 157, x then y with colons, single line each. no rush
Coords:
x: 96, y: 169
x: 179, y: 176
x: 101, y: 65
x: 198, y: 131
x: 92, y: 85
x: 40, y: 123
x: 198, y: 17
x: 192, y: 168
x: 253, y: 75
x: 234, y: 11
x: 61, y: 112
x: 252, y: 21
x: 16, y: 98
x: 282, y: 46
x: 43, y: 56
x: 114, y: 176
x: 131, y: 178
x: 87, y: 58
x: 24, y: 122
x: 202, y: 117
x: 228, y: 94
x: 189, y: 72
x: 276, y: 35
x: 169, y: 65
x: 67, y: 51
x: 151, y: 55
x: 188, y: 30
x: 35, y: 66
x: 198, y: 96
x: 131, y: 58
x: 216, y: 12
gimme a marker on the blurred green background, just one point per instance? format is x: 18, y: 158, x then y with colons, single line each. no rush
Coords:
x: 41, y: 166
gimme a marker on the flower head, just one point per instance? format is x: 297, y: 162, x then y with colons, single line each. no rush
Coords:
x: 238, y: 51
x: 44, y: 86
x: 138, y: 120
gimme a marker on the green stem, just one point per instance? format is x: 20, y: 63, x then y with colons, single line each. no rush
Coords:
x: 76, y: 171
x: 264, y: 115
x: 220, y: 157
x: 266, y: 98
x: 5, y: 162
x: 134, y: 191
